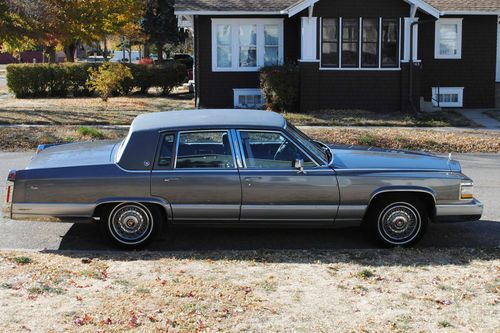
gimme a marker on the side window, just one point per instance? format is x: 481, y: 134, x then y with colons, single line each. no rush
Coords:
x: 210, y: 149
x: 271, y: 150
x: 166, y: 151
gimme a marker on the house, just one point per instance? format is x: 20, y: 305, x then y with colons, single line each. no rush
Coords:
x: 351, y: 53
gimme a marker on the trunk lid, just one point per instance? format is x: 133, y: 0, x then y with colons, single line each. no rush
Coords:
x: 75, y: 154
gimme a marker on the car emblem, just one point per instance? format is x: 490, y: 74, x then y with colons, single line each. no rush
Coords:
x: 147, y: 163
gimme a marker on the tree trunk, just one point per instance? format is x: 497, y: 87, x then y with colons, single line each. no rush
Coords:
x: 129, y: 55
x: 159, y: 51
x: 105, y: 49
x: 69, y: 50
x: 146, y: 50
x: 51, y: 53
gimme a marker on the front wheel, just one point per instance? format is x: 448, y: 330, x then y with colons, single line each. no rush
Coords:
x: 133, y: 225
x: 398, y: 221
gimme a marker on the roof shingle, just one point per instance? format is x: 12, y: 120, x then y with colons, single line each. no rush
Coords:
x: 279, y: 5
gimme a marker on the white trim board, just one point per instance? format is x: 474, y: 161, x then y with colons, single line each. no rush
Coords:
x: 459, y: 91
x: 437, y: 38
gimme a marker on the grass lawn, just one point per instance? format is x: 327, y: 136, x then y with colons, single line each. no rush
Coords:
x: 400, y: 290
x: 435, y: 140
x: 495, y: 114
x: 122, y: 110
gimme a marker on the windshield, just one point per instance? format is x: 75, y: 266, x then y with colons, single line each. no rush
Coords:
x: 319, y: 150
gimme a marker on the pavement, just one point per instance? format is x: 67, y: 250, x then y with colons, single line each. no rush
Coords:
x: 483, y: 168
x: 481, y: 118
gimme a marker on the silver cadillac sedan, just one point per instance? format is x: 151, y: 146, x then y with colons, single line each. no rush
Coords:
x: 237, y: 168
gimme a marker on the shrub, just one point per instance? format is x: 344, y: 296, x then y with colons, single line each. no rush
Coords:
x: 70, y: 79
x: 90, y: 132
x: 108, y: 79
x: 281, y: 87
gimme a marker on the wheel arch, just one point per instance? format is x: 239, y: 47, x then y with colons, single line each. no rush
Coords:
x: 427, y: 195
x: 103, y: 204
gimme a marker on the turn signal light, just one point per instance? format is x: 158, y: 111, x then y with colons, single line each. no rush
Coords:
x: 466, y: 191
x: 12, y: 175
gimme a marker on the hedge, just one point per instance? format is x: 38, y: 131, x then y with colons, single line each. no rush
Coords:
x: 281, y: 87
x: 70, y: 79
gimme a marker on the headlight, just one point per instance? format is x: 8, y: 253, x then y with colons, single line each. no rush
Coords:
x: 466, y: 191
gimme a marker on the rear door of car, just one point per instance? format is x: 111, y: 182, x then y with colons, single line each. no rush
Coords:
x: 196, y: 172
x: 273, y: 190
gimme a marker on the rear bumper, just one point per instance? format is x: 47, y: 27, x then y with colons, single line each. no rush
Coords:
x: 470, y: 211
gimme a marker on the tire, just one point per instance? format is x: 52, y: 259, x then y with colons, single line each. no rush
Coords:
x: 132, y: 225
x: 398, y: 220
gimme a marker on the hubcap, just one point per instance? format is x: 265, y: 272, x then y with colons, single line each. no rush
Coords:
x: 130, y: 223
x: 399, y: 223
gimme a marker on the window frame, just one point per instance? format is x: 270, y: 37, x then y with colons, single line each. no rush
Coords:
x: 398, y: 42
x: 360, y: 67
x: 378, y: 42
x: 157, y: 165
x: 178, y: 140
x: 242, y: 151
x: 338, y: 42
x: 237, y: 92
x: 437, y: 38
x: 235, y: 42
x: 436, y: 91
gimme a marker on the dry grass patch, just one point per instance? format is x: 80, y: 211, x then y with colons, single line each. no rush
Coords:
x: 411, y: 139
x: 449, y: 118
x: 252, y: 291
x: 87, y: 111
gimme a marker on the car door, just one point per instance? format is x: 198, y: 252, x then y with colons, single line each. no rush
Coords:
x: 196, y: 173
x: 274, y: 190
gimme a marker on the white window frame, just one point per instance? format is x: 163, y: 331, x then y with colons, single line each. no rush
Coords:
x: 235, y: 47
x: 360, y: 68
x: 247, y: 91
x: 448, y: 90
x: 437, y: 38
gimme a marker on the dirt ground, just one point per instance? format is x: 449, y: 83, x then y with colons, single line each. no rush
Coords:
x: 431, y: 290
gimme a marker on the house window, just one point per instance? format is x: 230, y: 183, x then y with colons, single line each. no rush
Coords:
x: 350, y: 42
x: 246, y: 44
x: 330, y: 43
x: 369, y: 46
x: 448, y: 39
x: 360, y: 43
x: 448, y: 97
x: 390, y: 38
x: 248, y: 99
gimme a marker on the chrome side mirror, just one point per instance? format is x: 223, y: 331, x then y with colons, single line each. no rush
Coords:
x: 299, y: 165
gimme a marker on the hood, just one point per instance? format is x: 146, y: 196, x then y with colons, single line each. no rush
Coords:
x: 357, y: 157
x: 75, y: 154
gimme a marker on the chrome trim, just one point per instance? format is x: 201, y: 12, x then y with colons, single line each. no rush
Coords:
x: 54, y: 209
x: 473, y: 208
x: 402, y: 189
x: 236, y: 148
x: 134, y: 171
x: 299, y: 212
x: 368, y: 170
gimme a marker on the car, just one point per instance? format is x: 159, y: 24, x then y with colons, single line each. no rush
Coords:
x: 243, y: 168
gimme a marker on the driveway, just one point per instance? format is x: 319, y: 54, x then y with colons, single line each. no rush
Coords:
x: 483, y: 168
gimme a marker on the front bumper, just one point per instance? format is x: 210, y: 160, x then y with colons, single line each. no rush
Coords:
x: 464, y: 212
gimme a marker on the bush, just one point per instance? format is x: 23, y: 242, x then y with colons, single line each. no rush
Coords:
x: 70, y: 79
x: 281, y: 87
x: 108, y: 78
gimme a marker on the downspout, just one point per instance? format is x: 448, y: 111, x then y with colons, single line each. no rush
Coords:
x: 196, y: 72
x: 411, y: 62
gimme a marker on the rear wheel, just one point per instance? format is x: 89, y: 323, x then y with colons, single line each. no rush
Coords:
x: 398, y: 221
x: 133, y: 225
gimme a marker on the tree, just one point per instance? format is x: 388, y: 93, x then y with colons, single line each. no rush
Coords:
x: 160, y: 25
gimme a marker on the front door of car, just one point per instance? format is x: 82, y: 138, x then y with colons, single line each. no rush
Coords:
x: 273, y: 190
x: 196, y: 173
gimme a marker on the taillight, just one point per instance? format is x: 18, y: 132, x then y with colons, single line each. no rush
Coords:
x: 8, y: 196
x: 12, y: 176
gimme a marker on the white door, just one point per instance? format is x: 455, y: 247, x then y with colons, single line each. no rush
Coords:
x: 498, y: 52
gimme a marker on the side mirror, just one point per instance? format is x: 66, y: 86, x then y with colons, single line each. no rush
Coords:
x: 299, y: 165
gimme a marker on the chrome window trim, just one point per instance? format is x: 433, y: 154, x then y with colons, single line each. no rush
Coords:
x: 227, y: 130
x: 272, y: 131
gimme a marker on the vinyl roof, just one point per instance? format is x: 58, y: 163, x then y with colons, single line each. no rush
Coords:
x: 206, y: 118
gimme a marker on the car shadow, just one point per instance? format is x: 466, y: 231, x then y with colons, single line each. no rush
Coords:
x: 481, y: 234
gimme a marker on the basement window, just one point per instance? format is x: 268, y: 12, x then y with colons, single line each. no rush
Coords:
x: 248, y: 99
x: 448, y: 97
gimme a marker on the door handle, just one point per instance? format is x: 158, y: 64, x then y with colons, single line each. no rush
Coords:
x: 171, y: 179
x: 250, y: 179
